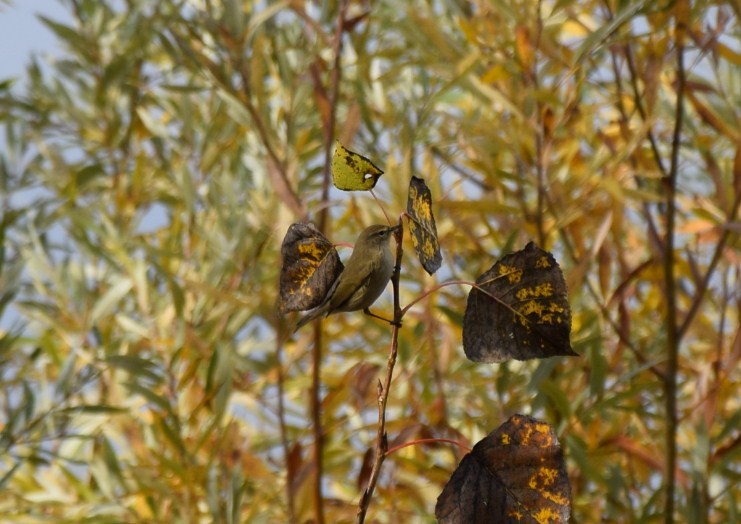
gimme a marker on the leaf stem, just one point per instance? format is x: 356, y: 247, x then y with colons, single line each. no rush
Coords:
x: 437, y: 288
x: 427, y: 441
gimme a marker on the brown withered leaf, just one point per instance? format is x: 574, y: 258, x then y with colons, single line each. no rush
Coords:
x: 365, y: 470
x: 310, y: 267
x: 422, y: 225
x: 515, y: 474
x: 523, y: 311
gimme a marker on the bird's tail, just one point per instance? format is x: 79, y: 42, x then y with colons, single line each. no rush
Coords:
x: 311, y: 315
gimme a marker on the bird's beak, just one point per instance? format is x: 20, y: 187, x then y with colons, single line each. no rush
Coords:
x: 395, y: 228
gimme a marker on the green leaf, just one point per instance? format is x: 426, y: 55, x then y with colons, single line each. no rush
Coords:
x: 149, y: 395
x: 136, y: 366
x: 99, y: 409
x: 596, y: 39
x: 105, y: 305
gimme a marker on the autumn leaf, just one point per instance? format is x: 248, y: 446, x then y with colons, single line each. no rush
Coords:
x: 422, y: 225
x: 519, y: 310
x: 310, y: 267
x: 352, y: 171
x: 515, y: 474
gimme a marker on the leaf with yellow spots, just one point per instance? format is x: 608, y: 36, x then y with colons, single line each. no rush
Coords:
x: 519, y: 310
x: 310, y: 267
x: 352, y: 171
x: 515, y: 474
x: 422, y: 225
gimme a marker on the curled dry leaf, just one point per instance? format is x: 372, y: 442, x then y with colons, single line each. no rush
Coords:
x: 310, y: 267
x: 515, y: 474
x: 521, y: 310
x: 422, y: 225
x: 352, y: 171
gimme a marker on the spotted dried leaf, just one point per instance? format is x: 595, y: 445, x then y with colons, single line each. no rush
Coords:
x: 515, y: 474
x: 422, y: 225
x: 310, y: 267
x: 352, y: 171
x: 521, y: 310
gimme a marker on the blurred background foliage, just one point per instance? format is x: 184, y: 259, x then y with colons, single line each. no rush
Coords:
x: 150, y: 170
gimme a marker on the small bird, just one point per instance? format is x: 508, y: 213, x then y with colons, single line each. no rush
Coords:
x: 364, y: 278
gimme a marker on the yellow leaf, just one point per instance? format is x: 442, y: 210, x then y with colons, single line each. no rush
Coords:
x: 422, y: 225
x: 729, y: 54
x: 495, y: 74
x: 352, y: 171
x: 310, y: 267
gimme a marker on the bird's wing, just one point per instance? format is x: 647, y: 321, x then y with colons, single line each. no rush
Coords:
x: 362, y: 270
x: 322, y: 308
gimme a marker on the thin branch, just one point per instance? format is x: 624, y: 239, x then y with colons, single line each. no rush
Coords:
x: 624, y: 128
x: 437, y: 288
x: 621, y: 335
x: 428, y: 441
x: 316, y: 404
x: 383, y: 389
x: 441, y: 155
x: 604, y: 309
x: 334, y: 95
x: 282, y: 419
x: 646, y: 210
x: 316, y: 418
x: 276, y: 168
x: 540, y: 138
x: 630, y: 61
x: 717, y: 255
x: 672, y: 328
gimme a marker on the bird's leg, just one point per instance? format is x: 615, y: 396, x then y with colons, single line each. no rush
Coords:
x: 368, y: 312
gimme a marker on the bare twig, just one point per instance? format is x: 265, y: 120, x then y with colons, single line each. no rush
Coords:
x: 624, y: 128
x: 282, y: 418
x: 438, y: 287
x: 717, y: 254
x: 315, y: 395
x: 540, y: 139
x: 604, y: 309
x: 316, y: 417
x: 428, y: 441
x: 638, y: 100
x: 334, y: 95
x: 672, y: 328
x: 383, y: 389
